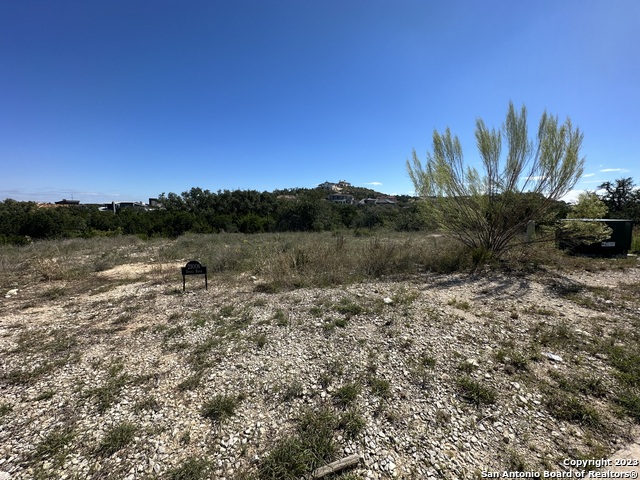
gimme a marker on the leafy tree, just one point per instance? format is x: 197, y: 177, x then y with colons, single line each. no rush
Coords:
x: 487, y: 212
x: 621, y: 198
x: 13, y: 216
x: 588, y: 206
x: 43, y: 223
x: 251, y: 223
x: 575, y: 232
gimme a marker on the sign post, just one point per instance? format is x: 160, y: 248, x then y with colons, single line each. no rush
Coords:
x: 194, y: 268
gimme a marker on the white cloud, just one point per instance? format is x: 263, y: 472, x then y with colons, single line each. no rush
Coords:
x: 588, y: 175
x: 373, y: 183
x: 572, y: 196
x: 614, y: 170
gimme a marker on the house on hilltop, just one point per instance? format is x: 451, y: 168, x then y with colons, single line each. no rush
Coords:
x: 335, y: 186
x: 328, y: 186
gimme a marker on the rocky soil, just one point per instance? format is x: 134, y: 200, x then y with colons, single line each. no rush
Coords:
x: 452, y: 375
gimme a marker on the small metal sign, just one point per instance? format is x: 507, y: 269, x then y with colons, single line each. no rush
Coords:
x: 194, y: 268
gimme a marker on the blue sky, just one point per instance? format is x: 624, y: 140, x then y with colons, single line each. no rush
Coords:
x: 125, y: 99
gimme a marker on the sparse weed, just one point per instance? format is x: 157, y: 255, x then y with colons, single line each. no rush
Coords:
x: 260, y: 339
x: 172, y: 332
x: 348, y: 308
x: 281, y: 318
x: 340, y: 322
x: 560, y: 335
x: 459, y: 304
x: 404, y: 296
x: 347, y: 394
x: 199, y: 320
x: 288, y: 460
x: 542, y: 311
x: 630, y: 402
x: 148, y: 403
x: 352, y: 423
x: 570, y: 408
x: 422, y: 376
x: 311, y: 446
x: 442, y: 416
x: 199, y: 356
x: 191, y: 468
x: 293, y: 390
x: 627, y: 362
x: 476, y: 393
x: 220, y: 407
x: 513, y: 360
x: 467, y: 366
x: 585, y: 384
x: 380, y: 387
x: 46, y: 395
x: 54, y: 293
x: 117, y: 438
x: 55, y: 445
x: 427, y: 360
x: 190, y: 383
x: 5, y: 409
x: 107, y: 394
x: 516, y: 462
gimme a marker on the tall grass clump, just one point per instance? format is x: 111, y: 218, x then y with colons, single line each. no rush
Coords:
x: 311, y: 446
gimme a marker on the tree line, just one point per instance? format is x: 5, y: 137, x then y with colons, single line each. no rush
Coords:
x: 250, y: 211
x: 203, y: 211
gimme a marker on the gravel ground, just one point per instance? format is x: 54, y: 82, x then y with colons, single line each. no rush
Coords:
x: 83, y: 360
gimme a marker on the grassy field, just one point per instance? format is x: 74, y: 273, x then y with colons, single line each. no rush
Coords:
x: 284, y: 261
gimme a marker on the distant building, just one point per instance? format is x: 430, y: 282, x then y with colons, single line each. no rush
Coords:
x: 335, y: 186
x: 154, y: 203
x: 64, y: 201
x: 386, y: 200
x: 341, y: 198
x: 116, y: 206
x: 381, y: 201
x: 328, y: 186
